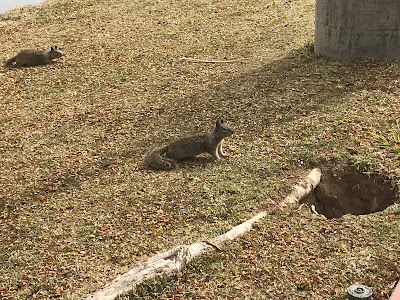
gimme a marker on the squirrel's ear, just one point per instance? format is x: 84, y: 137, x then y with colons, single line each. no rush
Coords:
x: 219, y: 121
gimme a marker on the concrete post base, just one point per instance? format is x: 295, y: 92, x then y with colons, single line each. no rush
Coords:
x: 357, y: 29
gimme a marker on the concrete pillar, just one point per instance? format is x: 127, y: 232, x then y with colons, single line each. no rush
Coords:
x: 357, y: 29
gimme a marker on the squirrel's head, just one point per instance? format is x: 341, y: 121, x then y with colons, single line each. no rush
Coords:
x: 223, y: 128
x: 56, y: 52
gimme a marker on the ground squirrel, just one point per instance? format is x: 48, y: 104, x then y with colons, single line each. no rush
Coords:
x: 33, y: 57
x: 165, y: 158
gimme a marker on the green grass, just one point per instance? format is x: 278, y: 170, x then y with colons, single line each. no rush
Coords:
x: 77, y: 207
x: 392, y: 143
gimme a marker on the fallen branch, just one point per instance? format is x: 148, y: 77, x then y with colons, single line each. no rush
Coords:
x: 211, y: 61
x: 302, y: 189
x: 171, y: 262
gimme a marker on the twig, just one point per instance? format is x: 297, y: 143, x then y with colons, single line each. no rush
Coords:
x: 212, y: 61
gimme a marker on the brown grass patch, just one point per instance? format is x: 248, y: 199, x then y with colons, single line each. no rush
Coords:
x: 70, y: 222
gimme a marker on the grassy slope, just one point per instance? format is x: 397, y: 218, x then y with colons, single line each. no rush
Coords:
x: 70, y: 223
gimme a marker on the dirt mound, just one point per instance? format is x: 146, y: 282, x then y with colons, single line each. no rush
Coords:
x: 344, y: 190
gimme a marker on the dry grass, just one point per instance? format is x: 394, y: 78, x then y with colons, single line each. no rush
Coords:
x: 76, y: 206
x: 293, y: 255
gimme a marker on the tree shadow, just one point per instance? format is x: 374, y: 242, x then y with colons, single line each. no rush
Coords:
x: 295, y: 86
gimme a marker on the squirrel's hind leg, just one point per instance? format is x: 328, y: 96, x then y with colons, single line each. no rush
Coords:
x: 158, y: 160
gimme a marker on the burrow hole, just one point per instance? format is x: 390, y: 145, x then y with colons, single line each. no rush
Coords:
x: 345, y: 190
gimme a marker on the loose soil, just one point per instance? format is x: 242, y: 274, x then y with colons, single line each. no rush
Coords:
x: 345, y: 190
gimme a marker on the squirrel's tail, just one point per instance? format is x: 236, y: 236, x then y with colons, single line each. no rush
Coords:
x: 157, y: 160
x: 7, y: 62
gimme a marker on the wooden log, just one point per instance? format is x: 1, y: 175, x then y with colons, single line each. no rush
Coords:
x: 171, y: 262
x: 302, y: 189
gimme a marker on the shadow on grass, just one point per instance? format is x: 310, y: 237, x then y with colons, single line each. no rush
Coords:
x: 296, y: 85
x: 277, y: 94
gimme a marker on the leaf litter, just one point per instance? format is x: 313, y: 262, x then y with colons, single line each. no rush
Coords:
x: 69, y: 223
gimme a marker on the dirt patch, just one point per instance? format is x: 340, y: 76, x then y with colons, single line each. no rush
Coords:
x: 345, y: 190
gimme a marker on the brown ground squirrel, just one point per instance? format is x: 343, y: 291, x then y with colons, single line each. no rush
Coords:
x: 165, y: 158
x: 33, y: 57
